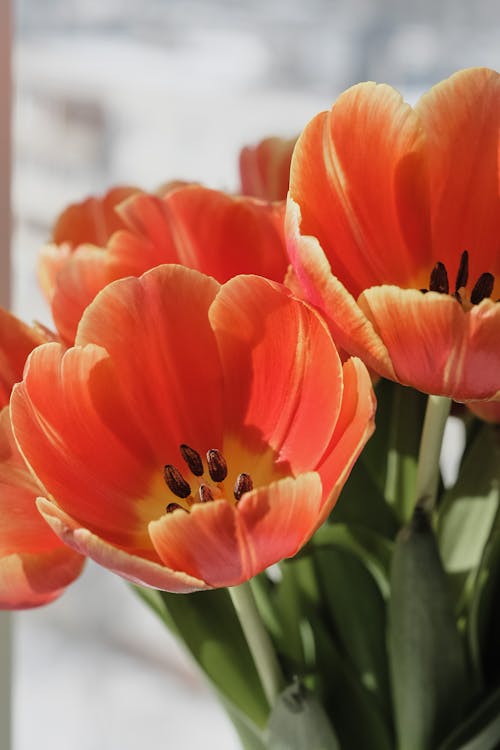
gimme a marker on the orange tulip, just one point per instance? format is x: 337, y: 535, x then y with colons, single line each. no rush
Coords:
x: 393, y: 226
x: 35, y: 567
x: 91, y: 221
x: 265, y: 168
x: 201, y: 228
x: 196, y: 433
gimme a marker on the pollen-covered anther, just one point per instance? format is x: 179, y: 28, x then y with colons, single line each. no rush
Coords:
x: 171, y: 507
x: 243, y: 484
x: 217, y: 467
x: 438, y: 281
x: 482, y: 288
x: 193, y: 459
x: 176, y: 482
x: 205, y: 493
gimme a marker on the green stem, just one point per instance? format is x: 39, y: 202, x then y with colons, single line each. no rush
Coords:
x: 436, y: 414
x: 259, y: 641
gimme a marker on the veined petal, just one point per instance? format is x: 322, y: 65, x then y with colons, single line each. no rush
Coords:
x: 33, y: 579
x: 461, y: 119
x: 225, y: 544
x: 136, y: 569
x: 282, y: 373
x: 434, y: 344
x: 35, y: 567
x: 354, y: 427
x: 79, y: 279
x: 265, y: 168
x: 51, y: 259
x: 16, y: 341
x: 208, y: 230
x: 99, y: 437
x: 350, y: 328
x: 359, y: 175
x: 91, y: 221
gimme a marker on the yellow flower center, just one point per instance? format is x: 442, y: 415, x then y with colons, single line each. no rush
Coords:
x: 206, y: 488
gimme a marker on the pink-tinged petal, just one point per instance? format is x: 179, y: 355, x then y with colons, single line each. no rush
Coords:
x: 34, y: 566
x: 435, y: 346
x: 136, y: 569
x: 489, y: 411
x: 216, y: 233
x: 225, y: 544
x: 79, y: 280
x: 99, y: 437
x: 265, y: 168
x: 276, y: 521
x: 16, y: 341
x: 162, y: 319
x: 282, y: 373
x: 359, y: 176
x: 354, y: 427
x: 350, y: 328
x: 91, y: 221
x: 31, y: 580
x: 461, y: 119
x: 51, y: 259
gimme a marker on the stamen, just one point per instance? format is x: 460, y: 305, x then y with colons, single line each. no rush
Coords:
x: 173, y: 506
x: 176, y: 482
x: 193, y: 460
x: 205, y: 493
x: 463, y: 272
x: 482, y: 288
x: 243, y: 484
x: 438, y: 281
x: 217, y: 466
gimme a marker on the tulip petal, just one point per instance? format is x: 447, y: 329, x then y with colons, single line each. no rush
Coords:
x: 80, y: 278
x: 434, y: 344
x: 31, y: 580
x: 461, y: 118
x: 208, y: 230
x: 16, y: 342
x: 265, y: 168
x: 35, y: 567
x: 224, y: 544
x: 136, y: 569
x: 282, y: 373
x: 92, y: 221
x: 100, y: 436
x: 354, y: 427
x: 350, y: 328
x: 359, y: 175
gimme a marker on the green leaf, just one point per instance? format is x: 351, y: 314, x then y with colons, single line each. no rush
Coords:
x: 484, y: 617
x: 353, y: 711
x: 208, y: 625
x: 357, y: 614
x: 481, y: 730
x: 469, y: 509
x: 374, y: 550
x: 298, y: 722
x: 427, y: 658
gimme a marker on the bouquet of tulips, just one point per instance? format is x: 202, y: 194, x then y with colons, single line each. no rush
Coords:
x: 202, y: 422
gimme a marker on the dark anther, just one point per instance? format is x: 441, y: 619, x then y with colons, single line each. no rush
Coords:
x: 438, y: 281
x: 463, y: 273
x: 176, y: 482
x: 193, y: 459
x: 173, y: 506
x: 424, y: 291
x: 243, y: 484
x: 217, y: 466
x: 482, y: 288
x: 205, y: 493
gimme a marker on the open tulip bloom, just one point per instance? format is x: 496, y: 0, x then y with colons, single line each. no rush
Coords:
x: 201, y: 423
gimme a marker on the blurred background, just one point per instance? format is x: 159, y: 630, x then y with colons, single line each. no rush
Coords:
x: 141, y: 93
